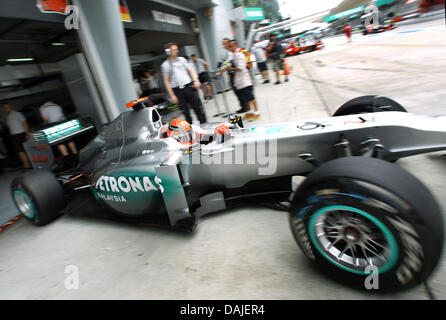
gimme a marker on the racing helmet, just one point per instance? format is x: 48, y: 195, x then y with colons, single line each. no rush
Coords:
x: 182, y: 132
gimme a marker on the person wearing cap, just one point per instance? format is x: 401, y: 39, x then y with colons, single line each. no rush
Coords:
x: 275, y: 53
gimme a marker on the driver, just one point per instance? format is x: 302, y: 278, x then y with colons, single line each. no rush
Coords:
x: 182, y: 132
x: 189, y: 135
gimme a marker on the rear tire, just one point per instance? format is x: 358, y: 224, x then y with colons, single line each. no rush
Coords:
x: 368, y: 104
x: 38, y: 196
x: 345, y: 218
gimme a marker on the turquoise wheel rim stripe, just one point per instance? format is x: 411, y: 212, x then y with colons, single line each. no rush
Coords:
x: 393, y: 246
x: 20, y: 193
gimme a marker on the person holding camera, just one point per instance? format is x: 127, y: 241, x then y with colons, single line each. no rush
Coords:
x: 181, y: 83
x: 275, y: 55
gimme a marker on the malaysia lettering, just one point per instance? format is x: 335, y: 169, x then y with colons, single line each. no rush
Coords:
x: 111, y: 198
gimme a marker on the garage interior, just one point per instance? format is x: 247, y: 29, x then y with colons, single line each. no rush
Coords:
x: 32, y: 57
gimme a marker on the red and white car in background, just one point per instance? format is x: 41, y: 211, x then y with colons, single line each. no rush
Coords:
x: 306, y: 43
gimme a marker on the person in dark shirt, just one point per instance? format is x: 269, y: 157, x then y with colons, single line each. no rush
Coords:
x: 275, y: 55
x: 19, y: 132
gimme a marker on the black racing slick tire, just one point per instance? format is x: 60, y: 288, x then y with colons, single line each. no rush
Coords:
x: 368, y: 104
x: 368, y: 223
x: 38, y: 196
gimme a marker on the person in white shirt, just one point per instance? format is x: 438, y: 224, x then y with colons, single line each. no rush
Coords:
x: 137, y: 87
x: 19, y: 132
x: 154, y: 85
x: 181, y: 83
x: 227, y: 56
x: 52, y: 113
x: 149, y: 84
x: 202, y: 68
x: 243, y: 82
x: 260, y: 54
x: 191, y: 65
x: 225, y: 67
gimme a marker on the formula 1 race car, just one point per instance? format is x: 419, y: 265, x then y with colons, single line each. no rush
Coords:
x: 356, y: 212
x: 311, y: 47
x: 309, y: 42
x: 377, y: 29
x: 303, y: 45
x: 291, y: 49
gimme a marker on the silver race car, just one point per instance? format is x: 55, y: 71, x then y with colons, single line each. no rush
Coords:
x: 355, y: 213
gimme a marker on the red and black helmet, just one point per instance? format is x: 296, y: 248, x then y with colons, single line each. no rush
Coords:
x: 181, y: 131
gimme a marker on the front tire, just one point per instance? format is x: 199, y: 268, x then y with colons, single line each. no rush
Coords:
x: 356, y: 215
x: 38, y: 196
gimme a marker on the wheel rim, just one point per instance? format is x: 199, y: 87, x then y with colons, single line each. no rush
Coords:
x: 353, y: 239
x: 24, y: 204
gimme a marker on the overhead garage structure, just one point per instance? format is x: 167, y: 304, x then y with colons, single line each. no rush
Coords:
x: 41, y: 58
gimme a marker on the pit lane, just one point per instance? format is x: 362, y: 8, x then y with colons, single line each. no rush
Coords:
x: 247, y: 253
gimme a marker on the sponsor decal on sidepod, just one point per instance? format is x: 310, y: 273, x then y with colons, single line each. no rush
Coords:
x: 121, y: 184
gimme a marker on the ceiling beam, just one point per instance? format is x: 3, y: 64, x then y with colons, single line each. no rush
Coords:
x: 62, y: 55
x: 18, y: 72
x: 42, y: 87
x: 176, y: 6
